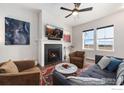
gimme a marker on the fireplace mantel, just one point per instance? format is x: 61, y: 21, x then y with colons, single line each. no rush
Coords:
x: 42, y: 42
x: 42, y: 48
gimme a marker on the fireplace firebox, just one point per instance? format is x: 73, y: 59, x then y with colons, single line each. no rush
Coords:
x: 53, y: 53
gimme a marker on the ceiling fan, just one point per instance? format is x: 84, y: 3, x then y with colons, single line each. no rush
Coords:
x: 76, y: 9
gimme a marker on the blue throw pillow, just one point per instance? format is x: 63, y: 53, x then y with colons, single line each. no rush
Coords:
x: 113, y: 65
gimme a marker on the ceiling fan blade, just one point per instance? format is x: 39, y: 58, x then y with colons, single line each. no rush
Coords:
x: 77, y: 5
x: 68, y: 15
x: 86, y: 9
x: 65, y: 9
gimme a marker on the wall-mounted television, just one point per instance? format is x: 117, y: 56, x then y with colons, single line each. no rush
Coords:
x: 53, y: 32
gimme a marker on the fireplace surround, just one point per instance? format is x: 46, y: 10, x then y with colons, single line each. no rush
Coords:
x: 53, y: 53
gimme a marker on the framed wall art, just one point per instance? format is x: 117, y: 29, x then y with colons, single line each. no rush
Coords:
x: 67, y: 37
x: 16, y: 32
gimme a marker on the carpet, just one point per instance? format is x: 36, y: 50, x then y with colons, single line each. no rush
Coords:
x: 47, y: 74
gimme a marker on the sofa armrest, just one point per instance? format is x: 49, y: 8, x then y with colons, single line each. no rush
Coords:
x: 24, y: 64
x: 22, y: 78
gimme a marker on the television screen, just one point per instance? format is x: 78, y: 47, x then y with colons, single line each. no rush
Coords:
x: 54, y: 33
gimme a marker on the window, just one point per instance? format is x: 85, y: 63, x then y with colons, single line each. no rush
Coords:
x: 105, y: 38
x: 88, y: 39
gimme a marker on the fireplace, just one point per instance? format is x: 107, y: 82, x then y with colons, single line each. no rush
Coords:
x: 53, y: 53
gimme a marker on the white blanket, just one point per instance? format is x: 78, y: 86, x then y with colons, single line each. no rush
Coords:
x: 86, y: 80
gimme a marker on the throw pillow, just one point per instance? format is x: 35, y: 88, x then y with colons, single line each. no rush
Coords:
x: 113, y: 65
x: 97, y: 58
x: 103, y: 63
x: 9, y: 67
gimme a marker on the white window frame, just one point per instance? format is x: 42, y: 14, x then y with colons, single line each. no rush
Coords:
x: 84, y: 40
x: 97, y: 46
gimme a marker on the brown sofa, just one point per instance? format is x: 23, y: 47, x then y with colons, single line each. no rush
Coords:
x: 29, y: 74
x: 77, y: 58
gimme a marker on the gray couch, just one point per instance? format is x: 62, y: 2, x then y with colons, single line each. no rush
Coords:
x: 92, y: 72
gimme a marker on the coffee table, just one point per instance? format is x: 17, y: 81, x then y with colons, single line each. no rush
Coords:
x: 70, y: 69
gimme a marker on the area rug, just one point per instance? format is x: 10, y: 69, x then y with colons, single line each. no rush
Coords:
x: 47, y: 74
x: 46, y: 78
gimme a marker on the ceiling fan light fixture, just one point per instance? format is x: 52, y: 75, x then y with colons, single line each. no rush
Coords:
x: 75, y: 13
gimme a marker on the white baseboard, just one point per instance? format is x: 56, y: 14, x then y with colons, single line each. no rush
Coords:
x: 89, y: 58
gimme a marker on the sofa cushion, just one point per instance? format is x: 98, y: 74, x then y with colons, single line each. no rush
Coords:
x: 34, y: 69
x: 113, y: 65
x: 9, y: 67
x: 24, y: 64
x: 96, y: 72
x: 103, y: 63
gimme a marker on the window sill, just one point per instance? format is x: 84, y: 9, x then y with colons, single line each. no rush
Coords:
x: 86, y: 49
x: 105, y: 50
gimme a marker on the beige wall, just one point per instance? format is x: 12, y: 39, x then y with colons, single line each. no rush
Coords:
x: 18, y: 52
x: 117, y: 19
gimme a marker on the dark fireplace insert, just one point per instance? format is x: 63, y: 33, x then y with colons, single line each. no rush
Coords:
x: 53, y: 53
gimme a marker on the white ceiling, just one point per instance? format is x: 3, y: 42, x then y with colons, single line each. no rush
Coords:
x: 99, y: 10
